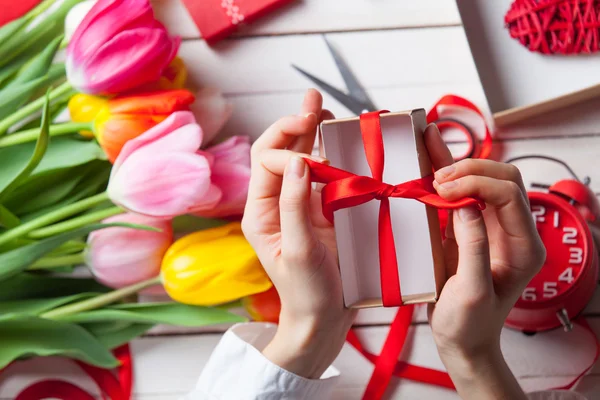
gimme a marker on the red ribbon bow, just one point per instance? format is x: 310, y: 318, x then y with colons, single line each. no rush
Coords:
x: 344, y: 189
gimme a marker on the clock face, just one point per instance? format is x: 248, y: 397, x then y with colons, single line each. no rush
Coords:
x: 567, y: 240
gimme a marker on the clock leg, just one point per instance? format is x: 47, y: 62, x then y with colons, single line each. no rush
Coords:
x: 564, y: 319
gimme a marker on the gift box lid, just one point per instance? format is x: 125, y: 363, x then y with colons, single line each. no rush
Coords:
x: 416, y: 226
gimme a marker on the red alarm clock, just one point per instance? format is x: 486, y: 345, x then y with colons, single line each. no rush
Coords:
x: 568, y: 278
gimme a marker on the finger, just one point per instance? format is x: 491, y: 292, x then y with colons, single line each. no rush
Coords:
x: 505, y: 196
x: 267, y: 173
x: 492, y: 169
x: 325, y: 115
x: 436, y: 147
x: 473, y: 250
x: 283, y: 132
x: 312, y: 104
x: 275, y: 161
x: 297, y: 237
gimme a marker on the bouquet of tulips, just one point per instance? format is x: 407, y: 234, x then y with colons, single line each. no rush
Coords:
x: 121, y: 186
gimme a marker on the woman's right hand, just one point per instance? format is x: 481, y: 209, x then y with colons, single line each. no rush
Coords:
x: 490, y: 258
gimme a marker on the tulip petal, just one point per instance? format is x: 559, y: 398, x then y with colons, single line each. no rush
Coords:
x: 172, y: 123
x: 233, y: 180
x: 104, y: 20
x: 160, y: 184
x: 122, y: 256
x: 235, y: 150
x: 212, y: 111
x: 159, y: 102
x: 129, y: 59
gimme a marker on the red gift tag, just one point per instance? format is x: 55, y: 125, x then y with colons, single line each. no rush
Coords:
x: 14, y: 9
x: 217, y: 19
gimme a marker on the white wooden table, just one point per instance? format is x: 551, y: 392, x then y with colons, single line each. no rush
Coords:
x: 407, y: 54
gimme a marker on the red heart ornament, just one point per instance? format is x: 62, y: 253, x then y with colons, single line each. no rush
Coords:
x: 555, y: 26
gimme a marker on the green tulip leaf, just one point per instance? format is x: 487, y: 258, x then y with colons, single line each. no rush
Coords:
x: 7, y: 218
x: 39, y: 66
x: 38, y: 306
x: 40, y: 286
x: 112, y: 334
x: 13, y: 28
x: 15, y: 261
x: 93, y: 181
x: 63, y: 152
x: 27, y: 336
x: 13, y: 97
x: 171, y: 313
x: 38, y: 153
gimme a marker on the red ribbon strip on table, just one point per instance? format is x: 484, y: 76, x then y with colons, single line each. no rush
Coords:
x: 110, y: 387
x: 344, y: 189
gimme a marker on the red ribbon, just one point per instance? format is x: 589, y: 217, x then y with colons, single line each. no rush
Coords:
x: 456, y: 101
x: 344, y: 189
x: 110, y: 387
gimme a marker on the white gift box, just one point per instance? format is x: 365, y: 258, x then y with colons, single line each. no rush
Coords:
x: 416, y: 227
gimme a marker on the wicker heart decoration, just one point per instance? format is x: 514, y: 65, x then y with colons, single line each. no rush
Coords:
x: 555, y: 26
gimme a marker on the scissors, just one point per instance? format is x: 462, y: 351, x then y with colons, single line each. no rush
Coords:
x: 357, y: 100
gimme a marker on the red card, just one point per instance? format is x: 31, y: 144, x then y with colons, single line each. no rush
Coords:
x: 217, y: 19
x: 14, y: 9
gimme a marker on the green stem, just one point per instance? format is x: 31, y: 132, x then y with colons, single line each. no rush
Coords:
x: 32, y: 107
x: 31, y: 135
x: 52, y: 217
x: 60, y: 261
x: 40, y: 8
x: 74, y: 223
x: 101, y: 300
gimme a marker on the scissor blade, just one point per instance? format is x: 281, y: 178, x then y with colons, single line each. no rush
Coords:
x: 354, y: 86
x: 350, y: 103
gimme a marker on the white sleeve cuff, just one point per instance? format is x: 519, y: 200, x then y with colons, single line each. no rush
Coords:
x: 237, y: 370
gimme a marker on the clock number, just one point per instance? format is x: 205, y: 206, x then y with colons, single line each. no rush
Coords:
x: 570, y: 235
x: 538, y: 213
x: 550, y: 289
x: 576, y: 255
x: 556, y: 219
x: 567, y: 275
x: 529, y: 294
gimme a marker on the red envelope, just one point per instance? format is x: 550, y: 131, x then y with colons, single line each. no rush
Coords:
x: 217, y: 19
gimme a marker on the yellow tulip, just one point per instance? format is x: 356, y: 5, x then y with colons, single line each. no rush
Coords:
x: 213, y: 266
x: 85, y: 108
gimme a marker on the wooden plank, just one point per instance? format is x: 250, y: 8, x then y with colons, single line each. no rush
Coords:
x: 167, y: 367
x: 416, y: 57
x: 256, y: 75
x: 324, y: 16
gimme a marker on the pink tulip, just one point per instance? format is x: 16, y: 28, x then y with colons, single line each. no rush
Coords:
x: 161, y: 173
x: 123, y: 256
x: 118, y: 46
x: 212, y: 111
x: 231, y: 174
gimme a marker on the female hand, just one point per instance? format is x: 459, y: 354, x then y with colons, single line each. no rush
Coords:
x: 490, y: 258
x: 284, y: 223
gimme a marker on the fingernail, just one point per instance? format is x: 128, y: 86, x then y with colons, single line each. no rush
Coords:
x: 468, y: 214
x: 444, y: 172
x: 319, y: 159
x: 296, y: 167
x: 448, y: 185
x: 309, y: 115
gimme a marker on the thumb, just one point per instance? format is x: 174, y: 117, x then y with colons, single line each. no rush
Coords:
x: 473, y: 248
x: 298, y: 241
